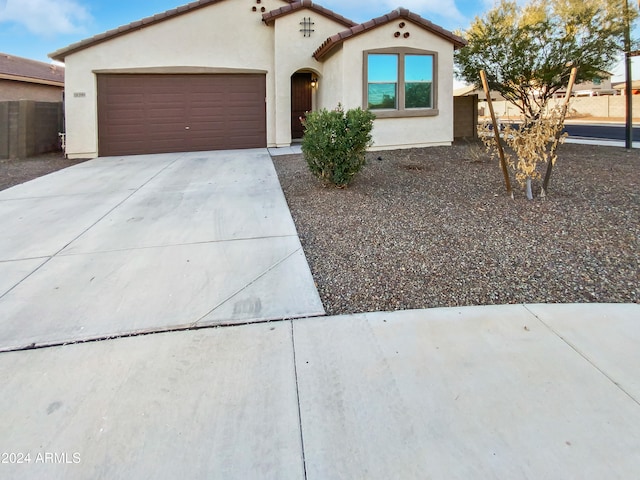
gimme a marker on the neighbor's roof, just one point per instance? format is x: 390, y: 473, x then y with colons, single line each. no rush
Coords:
x: 26, y: 70
x: 335, y: 40
x: 137, y: 25
x: 635, y: 84
x: 464, y: 91
x: 271, y: 16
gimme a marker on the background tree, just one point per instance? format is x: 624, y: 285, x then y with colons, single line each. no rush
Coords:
x: 528, y: 51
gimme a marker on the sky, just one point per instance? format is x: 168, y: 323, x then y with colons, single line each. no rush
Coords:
x: 35, y: 28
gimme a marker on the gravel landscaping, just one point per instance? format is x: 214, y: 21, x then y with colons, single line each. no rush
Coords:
x: 14, y: 172
x: 434, y: 228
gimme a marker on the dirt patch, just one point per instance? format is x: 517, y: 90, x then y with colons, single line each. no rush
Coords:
x: 15, y: 172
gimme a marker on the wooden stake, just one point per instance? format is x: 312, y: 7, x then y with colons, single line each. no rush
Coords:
x: 496, y: 132
x: 565, y: 106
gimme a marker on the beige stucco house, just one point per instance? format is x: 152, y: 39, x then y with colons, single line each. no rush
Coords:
x: 220, y: 74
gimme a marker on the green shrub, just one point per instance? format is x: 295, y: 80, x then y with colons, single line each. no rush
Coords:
x: 335, y: 143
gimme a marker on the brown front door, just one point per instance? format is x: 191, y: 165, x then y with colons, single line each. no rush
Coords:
x: 300, y: 101
x: 179, y: 113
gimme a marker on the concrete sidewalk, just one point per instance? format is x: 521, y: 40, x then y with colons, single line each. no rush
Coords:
x: 603, y: 142
x: 534, y: 391
x: 148, y: 243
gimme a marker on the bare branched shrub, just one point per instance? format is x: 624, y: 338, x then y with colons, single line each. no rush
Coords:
x: 475, y: 152
x: 533, y: 144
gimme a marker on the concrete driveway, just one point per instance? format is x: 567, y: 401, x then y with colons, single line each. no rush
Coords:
x: 125, y: 245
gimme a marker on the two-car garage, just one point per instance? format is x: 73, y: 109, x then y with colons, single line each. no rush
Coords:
x: 158, y: 113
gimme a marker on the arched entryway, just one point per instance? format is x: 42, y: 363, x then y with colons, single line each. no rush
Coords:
x: 302, y: 89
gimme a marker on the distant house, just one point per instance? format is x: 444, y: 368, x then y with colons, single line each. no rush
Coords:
x: 24, y: 79
x: 226, y: 74
x: 620, y: 88
x: 596, y: 87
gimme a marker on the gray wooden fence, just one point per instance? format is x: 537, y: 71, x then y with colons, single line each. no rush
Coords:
x: 29, y: 128
x: 465, y: 117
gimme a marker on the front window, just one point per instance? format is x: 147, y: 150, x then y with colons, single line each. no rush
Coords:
x: 383, y: 82
x: 418, y: 77
x: 400, y: 82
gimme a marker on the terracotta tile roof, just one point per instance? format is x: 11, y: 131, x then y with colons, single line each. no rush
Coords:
x: 335, y: 40
x: 24, y: 69
x: 294, y: 6
x: 137, y: 25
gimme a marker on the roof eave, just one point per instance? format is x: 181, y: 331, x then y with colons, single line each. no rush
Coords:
x: 39, y: 81
x: 60, y: 54
x: 330, y: 43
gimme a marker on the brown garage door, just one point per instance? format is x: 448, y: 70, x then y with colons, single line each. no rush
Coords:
x: 180, y: 113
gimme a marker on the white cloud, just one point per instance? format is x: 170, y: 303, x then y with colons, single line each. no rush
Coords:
x: 442, y: 8
x: 362, y: 10
x: 46, y: 17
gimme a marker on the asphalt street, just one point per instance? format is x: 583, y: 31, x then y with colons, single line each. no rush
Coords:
x: 608, y: 131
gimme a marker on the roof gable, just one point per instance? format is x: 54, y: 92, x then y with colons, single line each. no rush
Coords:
x: 133, y: 26
x: 337, y: 39
x: 24, y: 69
x: 294, y: 6
x: 268, y: 18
